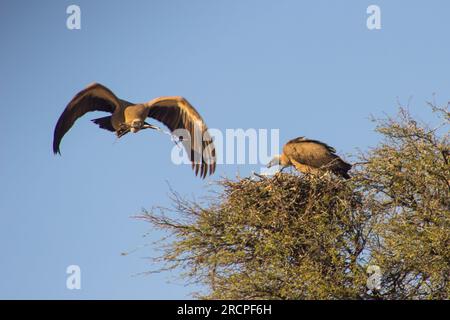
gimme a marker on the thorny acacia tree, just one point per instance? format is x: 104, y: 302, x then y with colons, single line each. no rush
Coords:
x: 313, y: 237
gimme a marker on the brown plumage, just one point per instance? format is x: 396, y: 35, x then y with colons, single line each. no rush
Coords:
x: 311, y: 156
x: 175, y: 112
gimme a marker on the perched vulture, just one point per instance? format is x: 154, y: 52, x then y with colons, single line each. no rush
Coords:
x: 311, y: 156
x: 175, y: 112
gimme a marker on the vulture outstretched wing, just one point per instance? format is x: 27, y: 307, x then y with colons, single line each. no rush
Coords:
x: 95, y: 97
x: 178, y: 114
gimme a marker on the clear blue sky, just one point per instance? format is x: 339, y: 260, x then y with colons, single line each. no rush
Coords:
x: 306, y: 67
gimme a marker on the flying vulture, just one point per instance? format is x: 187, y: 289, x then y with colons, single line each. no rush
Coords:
x: 311, y: 156
x: 175, y: 112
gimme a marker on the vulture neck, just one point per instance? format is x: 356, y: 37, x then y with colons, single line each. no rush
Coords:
x: 284, y: 161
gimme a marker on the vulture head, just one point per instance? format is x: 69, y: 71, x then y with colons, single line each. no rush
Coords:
x: 275, y: 161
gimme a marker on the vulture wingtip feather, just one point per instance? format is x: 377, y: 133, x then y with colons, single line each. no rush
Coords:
x: 56, y: 151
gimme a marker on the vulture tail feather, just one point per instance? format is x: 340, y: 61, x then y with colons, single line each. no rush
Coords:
x: 104, y: 123
x: 342, y: 169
